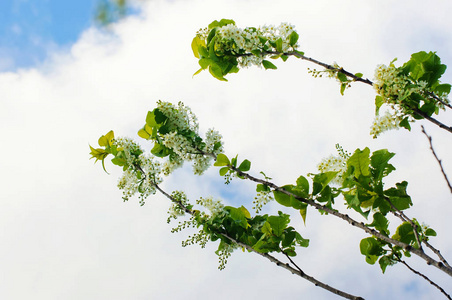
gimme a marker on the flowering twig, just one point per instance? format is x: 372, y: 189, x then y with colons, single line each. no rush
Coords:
x: 436, y: 157
x: 266, y: 255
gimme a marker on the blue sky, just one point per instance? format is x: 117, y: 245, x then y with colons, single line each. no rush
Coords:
x: 64, y: 229
x: 30, y: 28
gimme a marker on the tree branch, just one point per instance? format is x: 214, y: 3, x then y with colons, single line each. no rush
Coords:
x: 268, y: 256
x: 418, y: 252
x: 436, y: 157
x: 423, y: 276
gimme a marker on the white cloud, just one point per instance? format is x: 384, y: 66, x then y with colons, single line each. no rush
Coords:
x: 67, y: 234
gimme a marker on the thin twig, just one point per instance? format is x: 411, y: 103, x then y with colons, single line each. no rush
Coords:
x: 436, y: 157
x: 437, y: 252
x: 423, y: 276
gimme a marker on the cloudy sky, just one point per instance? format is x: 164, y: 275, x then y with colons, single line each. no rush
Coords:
x: 65, y: 232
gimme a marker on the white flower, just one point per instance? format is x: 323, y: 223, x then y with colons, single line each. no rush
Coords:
x: 214, y: 206
x: 384, y: 123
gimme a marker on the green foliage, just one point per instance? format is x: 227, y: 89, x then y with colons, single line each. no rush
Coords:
x: 225, y: 53
x: 99, y: 153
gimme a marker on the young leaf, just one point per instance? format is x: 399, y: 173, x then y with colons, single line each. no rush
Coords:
x: 278, y: 43
x: 282, y: 198
x: 223, y: 171
x: 268, y: 65
x: 293, y: 38
x: 106, y: 140
x: 378, y: 103
x: 360, y: 161
x: 303, y: 212
x: 245, y: 166
x: 222, y: 160
x: 303, y: 185
x: 430, y: 232
x: 278, y: 223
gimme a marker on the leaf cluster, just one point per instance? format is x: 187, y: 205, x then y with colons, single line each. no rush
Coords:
x: 263, y: 233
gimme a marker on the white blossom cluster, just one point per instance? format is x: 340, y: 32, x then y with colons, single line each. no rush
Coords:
x: 334, y: 164
x: 180, y: 120
x: 142, y: 172
x: 384, y: 123
x: 175, y: 209
x: 224, y: 254
x: 394, y: 87
x: 129, y: 147
x: 230, y: 38
x: 214, y: 206
x: 261, y: 199
x: 180, y: 117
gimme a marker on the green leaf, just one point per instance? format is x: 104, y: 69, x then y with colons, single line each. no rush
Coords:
x: 267, y: 229
x: 443, y: 89
x: 343, y: 86
x: 245, y: 166
x: 430, y: 232
x: 380, y: 223
x: 379, y: 161
x: 160, y: 150
x: 268, y: 65
x: 359, y: 75
x: 224, y: 22
x: 238, y: 215
x: 278, y: 223
x: 303, y: 212
x: 262, y: 188
x: 288, y: 239
x: 342, y: 77
x: 398, y: 196
x: 205, y: 62
x: 385, y: 261
x: 222, y: 160
x: 106, y: 140
x: 293, y: 38
x: 223, y: 171
x: 321, y: 180
x: 405, y: 233
x: 301, y: 241
x: 379, y: 101
x: 145, y: 132
x: 211, y: 35
x: 278, y: 43
x: 371, y: 248
x: 405, y: 124
x: 216, y: 72
x: 303, y: 185
x: 282, y: 198
x: 195, y: 44
x: 360, y: 161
